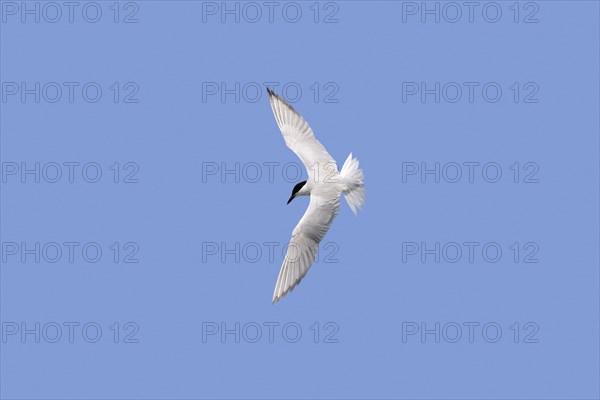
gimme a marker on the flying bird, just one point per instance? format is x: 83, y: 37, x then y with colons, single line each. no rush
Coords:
x: 324, y: 185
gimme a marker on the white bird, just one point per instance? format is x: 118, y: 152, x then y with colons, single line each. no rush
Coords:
x: 324, y: 186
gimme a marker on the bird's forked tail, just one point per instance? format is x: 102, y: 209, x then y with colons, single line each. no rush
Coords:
x: 353, y: 185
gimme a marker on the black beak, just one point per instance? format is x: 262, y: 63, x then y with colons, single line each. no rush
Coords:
x: 291, y: 198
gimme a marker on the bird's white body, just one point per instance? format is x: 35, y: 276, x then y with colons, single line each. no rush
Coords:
x: 324, y: 185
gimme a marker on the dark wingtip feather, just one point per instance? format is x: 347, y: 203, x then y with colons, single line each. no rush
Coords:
x: 285, y: 103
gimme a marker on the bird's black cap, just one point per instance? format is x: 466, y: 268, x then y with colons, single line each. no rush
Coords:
x: 295, y: 190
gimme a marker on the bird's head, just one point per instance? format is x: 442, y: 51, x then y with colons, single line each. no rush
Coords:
x: 296, y: 191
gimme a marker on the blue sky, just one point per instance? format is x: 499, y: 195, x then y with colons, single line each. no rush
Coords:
x: 144, y: 183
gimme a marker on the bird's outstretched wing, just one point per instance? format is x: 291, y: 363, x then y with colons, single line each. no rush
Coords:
x: 300, y: 138
x: 323, y: 207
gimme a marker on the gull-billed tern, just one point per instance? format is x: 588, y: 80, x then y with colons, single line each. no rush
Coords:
x: 324, y: 186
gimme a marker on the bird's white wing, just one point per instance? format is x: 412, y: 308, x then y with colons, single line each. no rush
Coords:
x: 314, y: 224
x: 300, y: 138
